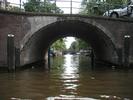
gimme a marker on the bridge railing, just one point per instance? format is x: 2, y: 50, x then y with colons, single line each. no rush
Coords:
x: 63, y: 7
x: 67, y: 6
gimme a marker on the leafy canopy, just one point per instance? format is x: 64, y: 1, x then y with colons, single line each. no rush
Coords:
x: 38, y: 6
x: 78, y: 45
x: 98, y: 7
x: 59, y: 45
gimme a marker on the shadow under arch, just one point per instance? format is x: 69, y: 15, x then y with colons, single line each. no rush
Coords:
x: 37, y: 45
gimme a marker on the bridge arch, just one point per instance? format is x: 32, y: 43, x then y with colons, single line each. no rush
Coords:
x: 36, y: 46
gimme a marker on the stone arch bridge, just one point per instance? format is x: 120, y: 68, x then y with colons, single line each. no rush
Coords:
x: 34, y: 33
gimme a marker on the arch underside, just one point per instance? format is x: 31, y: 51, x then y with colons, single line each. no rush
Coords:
x: 36, y: 47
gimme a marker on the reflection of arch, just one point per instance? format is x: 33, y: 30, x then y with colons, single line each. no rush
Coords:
x: 91, y: 32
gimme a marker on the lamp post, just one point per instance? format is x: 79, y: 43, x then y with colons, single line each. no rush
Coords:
x: 49, y: 64
x: 71, y: 7
x: 55, y: 6
x: 20, y: 4
x: 126, y: 50
x: 10, y: 53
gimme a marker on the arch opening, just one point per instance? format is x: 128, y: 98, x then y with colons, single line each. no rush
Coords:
x: 69, y: 45
x: 36, y: 47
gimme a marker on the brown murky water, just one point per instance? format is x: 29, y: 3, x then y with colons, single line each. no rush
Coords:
x: 70, y: 77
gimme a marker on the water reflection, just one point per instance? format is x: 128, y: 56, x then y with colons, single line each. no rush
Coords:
x: 71, y: 64
x: 68, y: 98
x: 70, y: 78
x: 70, y: 75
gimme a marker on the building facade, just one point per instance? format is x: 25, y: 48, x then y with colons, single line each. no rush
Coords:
x: 3, y: 4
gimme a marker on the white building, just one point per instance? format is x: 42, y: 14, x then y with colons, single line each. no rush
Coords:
x: 3, y: 3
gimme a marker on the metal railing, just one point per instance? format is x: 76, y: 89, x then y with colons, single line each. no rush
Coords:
x: 20, y: 7
x: 68, y: 6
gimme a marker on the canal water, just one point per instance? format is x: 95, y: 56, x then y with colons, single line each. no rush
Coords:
x: 70, y: 78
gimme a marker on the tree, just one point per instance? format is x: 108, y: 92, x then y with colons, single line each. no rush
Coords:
x: 92, y: 7
x: 113, y: 4
x: 119, y: 2
x: 59, y: 45
x: 74, y: 46
x: 38, y: 6
x: 82, y: 44
x: 78, y: 45
x: 96, y: 7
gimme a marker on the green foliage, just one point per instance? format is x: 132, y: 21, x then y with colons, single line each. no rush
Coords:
x: 37, y: 6
x: 78, y: 45
x: 113, y: 4
x: 74, y: 46
x: 57, y: 63
x: 82, y: 44
x: 119, y: 2
x: 92, y: 7
x: 59, y: 45
x: 95, y: 7
x: 32, y: 5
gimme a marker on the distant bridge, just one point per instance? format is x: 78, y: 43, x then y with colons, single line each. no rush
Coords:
x: 34, y: 33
